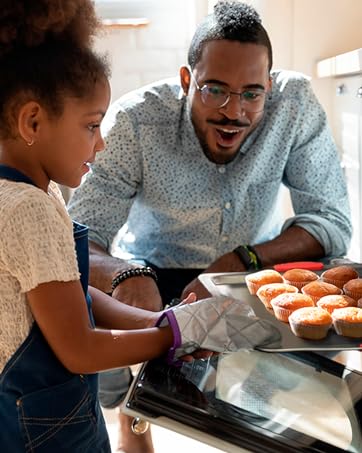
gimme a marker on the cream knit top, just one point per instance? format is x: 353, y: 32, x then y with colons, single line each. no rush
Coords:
x: 36, y: 246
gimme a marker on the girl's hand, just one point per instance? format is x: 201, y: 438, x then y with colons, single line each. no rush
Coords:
x: 192, y: 297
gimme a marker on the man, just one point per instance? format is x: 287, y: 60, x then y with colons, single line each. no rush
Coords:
x: 192, y: 173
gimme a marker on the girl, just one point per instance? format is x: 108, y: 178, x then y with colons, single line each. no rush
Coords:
x: 54, y: 93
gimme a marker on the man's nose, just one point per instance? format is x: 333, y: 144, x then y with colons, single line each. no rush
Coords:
x: 234, y: 108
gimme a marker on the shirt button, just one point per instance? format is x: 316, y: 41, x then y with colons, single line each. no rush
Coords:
x: 225, y: 238
x: 227, y: 205
x: 222, y: 170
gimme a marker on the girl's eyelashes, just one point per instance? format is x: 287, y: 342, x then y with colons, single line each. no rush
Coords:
x: 92, y: 127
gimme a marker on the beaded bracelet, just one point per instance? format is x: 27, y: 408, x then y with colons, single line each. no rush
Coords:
x: 136, y: 272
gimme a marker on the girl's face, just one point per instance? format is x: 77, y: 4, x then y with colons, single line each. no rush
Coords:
x: 67, y: 145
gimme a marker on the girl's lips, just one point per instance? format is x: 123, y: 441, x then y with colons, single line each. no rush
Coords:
x: 86, y: 167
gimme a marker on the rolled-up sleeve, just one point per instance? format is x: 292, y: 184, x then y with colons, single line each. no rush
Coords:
x: 316, y: 182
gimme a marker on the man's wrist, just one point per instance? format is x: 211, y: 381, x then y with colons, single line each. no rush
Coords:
x: 249, y: 257
x: 133, y: 272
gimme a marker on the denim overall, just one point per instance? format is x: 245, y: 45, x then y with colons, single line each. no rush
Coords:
x: 44, y: 408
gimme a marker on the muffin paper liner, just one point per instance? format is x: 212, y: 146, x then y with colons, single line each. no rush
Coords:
x: 348, y: 329
x: 338, y: 283
x: 298, y: 285
x: 282, y: 313
x: 308, y: 331
x: 355, y: 295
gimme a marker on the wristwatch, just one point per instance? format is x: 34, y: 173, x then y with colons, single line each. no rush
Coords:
x: 248, y: 257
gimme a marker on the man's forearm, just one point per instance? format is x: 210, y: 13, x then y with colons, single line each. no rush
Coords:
x: 103, y: 267
x: 294, y: 244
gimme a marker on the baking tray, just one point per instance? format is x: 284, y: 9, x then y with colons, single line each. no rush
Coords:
x: 233, y: 284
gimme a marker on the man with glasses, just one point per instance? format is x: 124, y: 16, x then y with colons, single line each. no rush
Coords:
x: 191, y: 176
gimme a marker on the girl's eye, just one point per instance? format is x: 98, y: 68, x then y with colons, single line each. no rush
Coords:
x: 92, y: 127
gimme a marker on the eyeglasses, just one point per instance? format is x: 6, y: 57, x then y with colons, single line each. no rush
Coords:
x: 216, y: 96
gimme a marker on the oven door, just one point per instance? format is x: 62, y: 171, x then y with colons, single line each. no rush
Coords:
x: 254, y: 401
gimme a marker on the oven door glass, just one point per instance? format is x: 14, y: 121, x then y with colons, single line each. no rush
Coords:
x: 259, y: 401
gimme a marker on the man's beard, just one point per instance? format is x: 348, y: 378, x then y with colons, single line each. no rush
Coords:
x: 220, y: 158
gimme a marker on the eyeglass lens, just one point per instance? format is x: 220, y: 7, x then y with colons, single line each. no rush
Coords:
x: 217, y: 96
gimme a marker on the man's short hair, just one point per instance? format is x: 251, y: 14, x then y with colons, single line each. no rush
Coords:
x: 233, y: 21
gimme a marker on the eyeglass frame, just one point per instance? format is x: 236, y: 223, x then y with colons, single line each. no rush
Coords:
x: 200, y: 89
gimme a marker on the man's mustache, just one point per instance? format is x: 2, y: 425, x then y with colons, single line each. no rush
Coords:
x: 226, y: 122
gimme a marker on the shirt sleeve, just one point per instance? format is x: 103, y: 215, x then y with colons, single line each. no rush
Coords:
x: 104, y: 199
x: 37, y: 243
x: 315, y: 179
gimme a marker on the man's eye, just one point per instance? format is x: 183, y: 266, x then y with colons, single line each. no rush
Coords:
x: 216, y: 90
x: 251, y: 95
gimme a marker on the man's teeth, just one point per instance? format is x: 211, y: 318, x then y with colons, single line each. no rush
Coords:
x: 228, y: 131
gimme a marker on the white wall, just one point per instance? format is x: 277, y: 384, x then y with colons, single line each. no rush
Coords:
x: 302, y: 32
x: 141, y: 55
x: 306, y: 31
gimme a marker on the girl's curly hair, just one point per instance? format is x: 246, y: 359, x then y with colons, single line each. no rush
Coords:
x: 27, y: 23
x: 46, y: 53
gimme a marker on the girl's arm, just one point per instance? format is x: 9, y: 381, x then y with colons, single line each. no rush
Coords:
x: 60, y: 310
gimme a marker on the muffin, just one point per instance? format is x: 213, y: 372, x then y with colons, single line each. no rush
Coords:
x: 333, y: 301
x: 348, y: 321
x: 257, y: 279
x: 318, y: 289
x: 339, y: 275
x: 268, y: 292
x: 284, y: 304
x: 353, y: 288
x: 299, y: 277
x: 311, y: 323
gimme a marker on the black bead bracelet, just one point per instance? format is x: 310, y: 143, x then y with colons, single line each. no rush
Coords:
x: 136, y: 272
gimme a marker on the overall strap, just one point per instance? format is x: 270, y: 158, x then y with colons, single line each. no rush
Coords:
x: 13, y: 174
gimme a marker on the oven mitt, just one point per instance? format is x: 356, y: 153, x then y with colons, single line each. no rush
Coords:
x: 219, y: 324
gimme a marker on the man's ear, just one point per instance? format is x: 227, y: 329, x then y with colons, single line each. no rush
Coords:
x: 270, y: 86
x: 185, y: 79
x: 29, y: 117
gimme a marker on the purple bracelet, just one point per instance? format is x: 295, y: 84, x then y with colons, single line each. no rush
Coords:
x: 170, y: 317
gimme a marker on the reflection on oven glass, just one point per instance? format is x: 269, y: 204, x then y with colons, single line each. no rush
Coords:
x: 290, y: 394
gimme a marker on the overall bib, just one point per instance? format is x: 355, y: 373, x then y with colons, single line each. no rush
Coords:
x: 44, y: 408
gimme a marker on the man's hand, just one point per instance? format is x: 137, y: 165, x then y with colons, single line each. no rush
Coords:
x: 229, y: 262
x: 141, y: 292
x: 196, y: 287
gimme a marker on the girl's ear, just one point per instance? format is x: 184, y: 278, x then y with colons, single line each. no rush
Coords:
x: 29, y: 117
x: 185, y: 79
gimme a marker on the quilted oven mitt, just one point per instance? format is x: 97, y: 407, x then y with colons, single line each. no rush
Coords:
x: 219, y: 324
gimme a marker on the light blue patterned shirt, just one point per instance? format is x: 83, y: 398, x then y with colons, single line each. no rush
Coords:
x: 183, y: 211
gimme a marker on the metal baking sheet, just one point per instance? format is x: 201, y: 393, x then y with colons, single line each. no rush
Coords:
x: 233, y: 284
